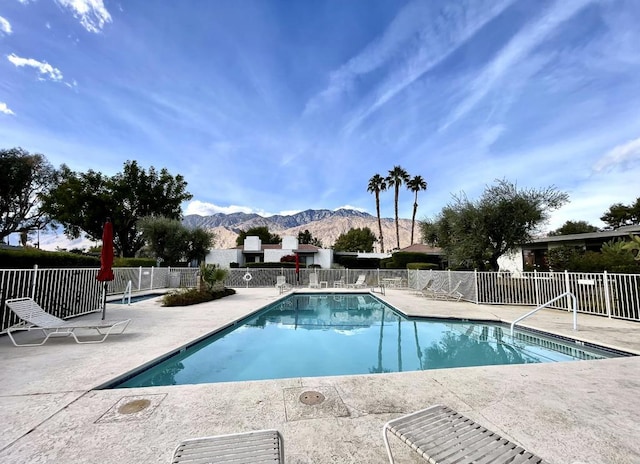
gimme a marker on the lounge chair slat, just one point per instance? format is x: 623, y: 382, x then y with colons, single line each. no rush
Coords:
x: 261, y: 446
x: 444, y: 436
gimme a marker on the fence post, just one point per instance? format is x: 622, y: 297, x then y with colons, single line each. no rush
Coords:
x: 151, y: 284
x: 607, y: 302
x: 475, y: 281
x: 35, y: 279
x: 139, y: 277
x: 567, y: 288
x: 536, y: 287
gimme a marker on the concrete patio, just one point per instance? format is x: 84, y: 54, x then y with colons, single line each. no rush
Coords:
x: 574, y: 412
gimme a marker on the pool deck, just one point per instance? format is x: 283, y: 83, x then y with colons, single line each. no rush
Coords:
x: 574, y: 412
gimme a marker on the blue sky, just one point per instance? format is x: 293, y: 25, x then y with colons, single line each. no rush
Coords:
x: 280, y: 106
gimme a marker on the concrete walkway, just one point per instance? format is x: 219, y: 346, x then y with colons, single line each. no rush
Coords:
x: 574, y: 412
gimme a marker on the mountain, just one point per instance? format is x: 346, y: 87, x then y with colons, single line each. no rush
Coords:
x: 324, y: 224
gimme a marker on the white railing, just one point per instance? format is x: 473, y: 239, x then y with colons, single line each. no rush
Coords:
x: 574, y: 304
x: 71, y: 292
x: 126, y: 296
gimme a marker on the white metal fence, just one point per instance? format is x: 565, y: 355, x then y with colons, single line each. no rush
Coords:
x: 71, y: 292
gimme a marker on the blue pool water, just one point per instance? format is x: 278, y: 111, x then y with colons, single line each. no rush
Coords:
x: 313, y: 335
x: 136, y: 298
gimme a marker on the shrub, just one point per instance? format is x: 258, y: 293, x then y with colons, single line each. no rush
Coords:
x: 212, y: 276
x: 134, y: 262
x: 422, y: 266
x: 26, y: 258
x: 234, y: 265
x: 191, y: 296
x: 273, y: 265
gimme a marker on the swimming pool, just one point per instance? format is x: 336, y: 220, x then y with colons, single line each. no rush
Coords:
x: 136, y: 298
x: 310, y: 335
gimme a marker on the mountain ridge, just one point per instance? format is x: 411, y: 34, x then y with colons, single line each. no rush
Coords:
x: 325, y: 225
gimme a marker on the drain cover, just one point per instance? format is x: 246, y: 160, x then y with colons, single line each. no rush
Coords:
x: 311, y: 397
x: 134, y: 406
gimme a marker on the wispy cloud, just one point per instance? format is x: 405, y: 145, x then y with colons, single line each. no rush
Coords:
x: 92, y: 13
x: 5, y: 27
x: 519, y: 49
x: 619, y: 156
x: 45, y: 70
x: 4, y: 109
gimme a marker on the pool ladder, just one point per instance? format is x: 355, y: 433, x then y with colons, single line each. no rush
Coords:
x: 127, y: 294
x: 574, y: 302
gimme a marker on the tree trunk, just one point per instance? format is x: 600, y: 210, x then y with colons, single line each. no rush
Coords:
x: 397, y: 223
x: 379, y: 222
x: 413, y: 218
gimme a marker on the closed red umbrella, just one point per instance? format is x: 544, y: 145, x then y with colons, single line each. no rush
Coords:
x: 105, y: 274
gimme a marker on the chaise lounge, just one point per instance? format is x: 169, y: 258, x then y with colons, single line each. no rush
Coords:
x: 33, y: 317
x: 443, y: 436
x: 238, y: 448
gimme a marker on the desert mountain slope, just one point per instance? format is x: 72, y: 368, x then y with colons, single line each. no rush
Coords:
x: 326, y: 225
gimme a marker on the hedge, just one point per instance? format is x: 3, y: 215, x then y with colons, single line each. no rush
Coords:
x: 26, y: 258
x: 423, y: 266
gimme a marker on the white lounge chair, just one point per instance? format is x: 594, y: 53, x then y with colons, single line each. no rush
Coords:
x: 442, y: 435
x: 282, y: 285
x: 359, y: 283
x: 33, y: 317
x: 313, y: 280
x: 452, y: 294
x: 239, y: 448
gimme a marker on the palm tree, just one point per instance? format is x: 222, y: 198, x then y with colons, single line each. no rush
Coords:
x: 376, y: 185
x: 395, y: 179
x: 415, y: 184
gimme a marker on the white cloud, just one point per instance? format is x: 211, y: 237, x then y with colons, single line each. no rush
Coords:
x: 207, y: 209
x: 43, y: 67
x: 619, y: 155
x: 5, y: 27
x: 92, y: 13
x: 518, y: 50
x: 5, y: 109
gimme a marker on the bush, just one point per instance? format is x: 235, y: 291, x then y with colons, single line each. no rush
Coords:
x: 26, y: 258
x: 234, y: 265
x: 133, y: 262
x: 191, y: 296
x: 402, y: 258
x: 353, y: 262
x: 273, y: 265
x: 423, y: 266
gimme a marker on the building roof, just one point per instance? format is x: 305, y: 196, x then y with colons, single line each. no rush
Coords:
x: 619, y: 232
x: 422, y: 248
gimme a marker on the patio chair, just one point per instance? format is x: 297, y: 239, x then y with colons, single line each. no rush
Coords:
x: 442, y: 435
x: 282, y: 285
x: 359, y: 283
x: 33, y: 317
x: 313, y: 280
x: 248, y: 447
x: 452, y: 294
x: 430, y: 290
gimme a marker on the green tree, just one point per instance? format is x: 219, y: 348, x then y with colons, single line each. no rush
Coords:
x: 415, y: 184
x: 574, y: 227
x: 262, y: 232
x: 359, y: 239
x: 619, y: 215
x: 24, y: 177
x: 164, y: 237
x: 378, y: 184
x: 199, y: 243
x: 477, y: 233
x: 82, y: 201
x: 306, y: 238
x: 172, y: 242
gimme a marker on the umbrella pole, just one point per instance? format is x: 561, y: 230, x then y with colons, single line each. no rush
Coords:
x: 104, y: 299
